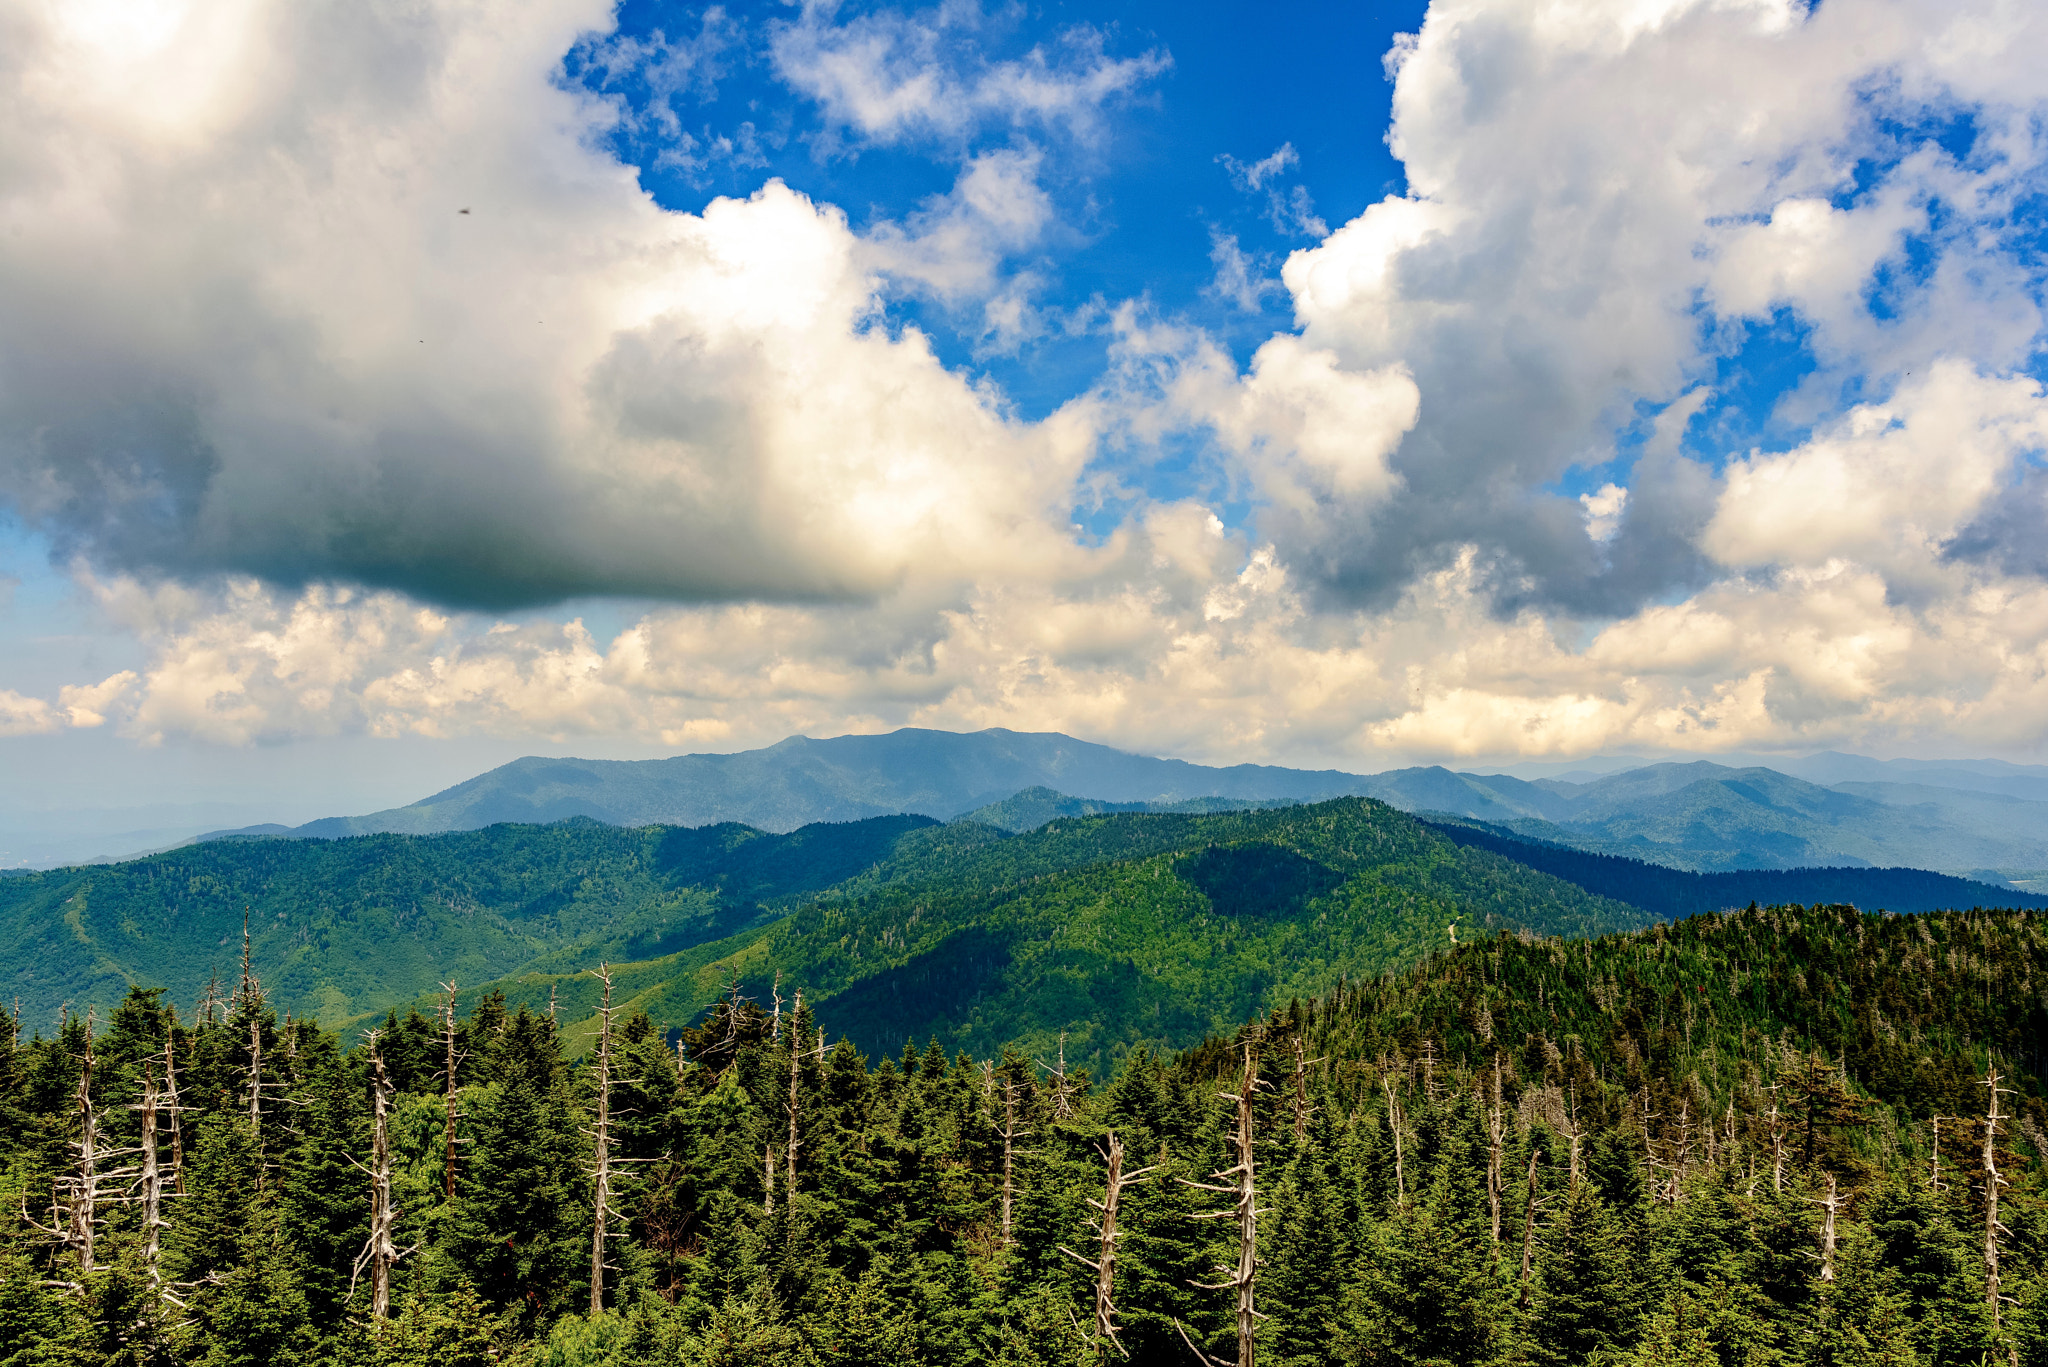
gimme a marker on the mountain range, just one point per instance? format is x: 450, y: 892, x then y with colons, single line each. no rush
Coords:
x: 1982, y: 819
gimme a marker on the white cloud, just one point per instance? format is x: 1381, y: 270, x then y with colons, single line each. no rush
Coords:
x: 255, y: 352
x: 251, y: 330
x: 1599, y: 192
x: 20, y: 716
x: 1889, y: 484
x: 1292, y: 211
x: 1187, y: 640
x: 1240, y: 279
x: 1604, y: 507
x: 894, y: 76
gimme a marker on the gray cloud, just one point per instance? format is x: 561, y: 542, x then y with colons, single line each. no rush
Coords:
x: 2011, y: 534
x: 1594, y: 203
x: 338, y: 294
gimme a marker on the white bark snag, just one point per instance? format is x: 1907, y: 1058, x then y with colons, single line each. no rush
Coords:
x: 1394, y: 1124
x: 1063, y: 1088
x: 1530, y: 1204
x: 1302, y: 1110
x: 601, y: 1160
x: 177, y: 1126
x: 1495, y: 1136
x: 380, y: 1252
x: 797, y: 1054
x: 85, y: 1186
x: 1010, y: 1136
x: 1777, y: 1144
x: 1577, y: 1134
x: 1106, y: 1235
x: 1934, y: 1177
x: 1244, y: 1210
x: 152, y: 1182
x: 249, y: 999
x: 1992, y: 1182
x: 1827, y: 1231
x: 450, y: 1113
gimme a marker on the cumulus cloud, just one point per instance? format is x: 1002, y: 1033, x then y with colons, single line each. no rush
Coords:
x: 894, y: 76
x: 253, y: 330
x: 1599, y: 195
x: 1890, y: 484
x: 308, y: 429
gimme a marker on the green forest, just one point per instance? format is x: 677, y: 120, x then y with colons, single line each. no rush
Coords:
x: 1780, y: 1135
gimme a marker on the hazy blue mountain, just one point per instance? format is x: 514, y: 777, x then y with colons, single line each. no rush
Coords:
x: 1974, y: 817
x: 1707, y: 817
x: 940, y: 774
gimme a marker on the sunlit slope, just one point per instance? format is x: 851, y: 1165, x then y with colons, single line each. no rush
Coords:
x: 348, y: 926
x: 1117, y: 929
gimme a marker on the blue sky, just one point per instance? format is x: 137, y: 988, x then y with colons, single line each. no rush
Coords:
x: 1327, y: 384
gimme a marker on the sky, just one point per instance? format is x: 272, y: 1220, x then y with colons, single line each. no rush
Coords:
x: 388, y: 390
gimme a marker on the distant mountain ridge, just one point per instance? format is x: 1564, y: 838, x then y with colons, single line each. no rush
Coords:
x: 1980, y: 819
x: 798, y: 781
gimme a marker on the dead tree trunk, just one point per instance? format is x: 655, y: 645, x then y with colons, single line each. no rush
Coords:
x: 175, y: 1110
x: 1827, y: 1232
x: 1577, y: 1135
x: 249, y: 1001
x: 797, y: 1054
x: 601, y: 1159
x: 1302, y: 1110
x: 1394, y: 1124
x: 152, y: 1183
x: 380, y: 1252
x: 1934, y: 1176
x: 1106, y: 1236
x: 1010, y: 1137
x: 85, y: 1187
x: 1495, y: 1136
x: 1244, y: 1209
x: 1992, y: 1182
x: 449, y: 1112
x: 1777, y: 1143
x: 1063, y: 1088
x: 1530, y: 1203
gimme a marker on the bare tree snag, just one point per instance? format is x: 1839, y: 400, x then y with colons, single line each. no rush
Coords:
x: 1495, y: 1136
x: 1992, y: 1182
x: 1010, y: 1136
x: 1578, y: 1133
x: 1302, y: 1110
x: 797, y: 1054
x: 1827, y: 1233
x: 1394, y: 1124
x: 1777, y: 1143
x: 1934, y: 1176
x: 1063, y: 1088
x: 1531, y: 1202
x: 1244, y: 1210
x: 601, y: 1156
x: 1106, y: 1235
x: 380, y: 1252
x: 449, y: 1110
x: 83, y: 1208
x: 175, y: 1110
x: 152, y: 1184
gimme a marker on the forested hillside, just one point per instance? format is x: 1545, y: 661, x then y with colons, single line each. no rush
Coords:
x: 1675, y: 893
x: 1118, y: 930
x: 1148, y: 915
x: 1710, y: 1143
x: 340, y: 927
